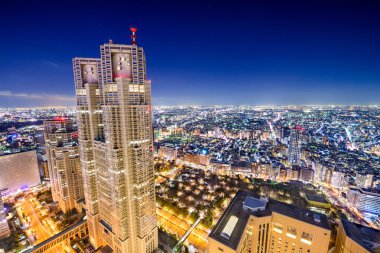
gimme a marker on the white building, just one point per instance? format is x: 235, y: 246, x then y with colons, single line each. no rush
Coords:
x: 116, y: 143
x: 364, y: 200
x: 64, y: 165
x: 19, y: 171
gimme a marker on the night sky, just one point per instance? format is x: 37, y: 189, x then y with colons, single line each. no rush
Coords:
x: 198, y: 52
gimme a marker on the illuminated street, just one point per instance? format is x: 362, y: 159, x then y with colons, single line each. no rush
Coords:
x: 40, y: 226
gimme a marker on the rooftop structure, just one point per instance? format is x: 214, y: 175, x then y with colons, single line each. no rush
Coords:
x: 247, y: 215
x: 357, y: 238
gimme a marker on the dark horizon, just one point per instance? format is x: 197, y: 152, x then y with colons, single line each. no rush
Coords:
x: 199, y: 52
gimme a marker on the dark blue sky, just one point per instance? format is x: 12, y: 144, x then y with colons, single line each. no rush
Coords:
x: 199, y: 52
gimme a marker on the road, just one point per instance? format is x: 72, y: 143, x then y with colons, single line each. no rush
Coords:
x: 39, y: 228
x: 346, y: 207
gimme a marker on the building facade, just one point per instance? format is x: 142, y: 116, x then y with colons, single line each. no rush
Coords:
x: 364, y: 200
x: 62, y: 152
x: 19, y: 171
x: 254, y: 225
x: 116, y: 146
x: 294, y: 152
x: 4, y: 226
x: 356, y: 238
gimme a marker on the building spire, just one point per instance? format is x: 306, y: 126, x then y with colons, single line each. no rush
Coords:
x: 133, y: 37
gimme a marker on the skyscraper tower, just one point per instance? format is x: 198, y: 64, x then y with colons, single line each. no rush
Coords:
x: 116, y: 143
x: 294, y: 152
x: 4, y: 227
x: 63, y: 163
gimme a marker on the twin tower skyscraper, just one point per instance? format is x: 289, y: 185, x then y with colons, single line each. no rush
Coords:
x: 114, y: 114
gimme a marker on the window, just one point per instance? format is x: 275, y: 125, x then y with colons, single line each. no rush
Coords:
x: 277, y: 227
x: 291, y: 232
x: 306, y: 238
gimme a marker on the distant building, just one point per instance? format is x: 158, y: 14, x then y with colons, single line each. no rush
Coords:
x: 306, y: 174
x: 62, y: 152
x: 195, y: 158
x: 356, y: 238
x: 338, y: 179
x: 4, y: 227
x: 364, y: 180
x: 241, y: 167
x: 19, y: 171
x: 255, y: 225
x: 294, y: 152
x: 364, y: 200
x: 169, y: 153
x: 221, y: 168
x: 45, y: 167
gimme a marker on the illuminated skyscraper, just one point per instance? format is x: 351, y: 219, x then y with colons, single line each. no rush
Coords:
x: 63, y: 162
x: 116, y: 143
x: 294, y: 152
x: 4, y: 227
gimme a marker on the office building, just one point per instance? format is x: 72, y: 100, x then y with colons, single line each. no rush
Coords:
x: 254, y: 225
x: 294, y: 152
x: 116, y: 144
x: 19, y: 171
x: 62, y: 152
x: 365, y: 200
x: 4, y: 227
x: 356, y: 238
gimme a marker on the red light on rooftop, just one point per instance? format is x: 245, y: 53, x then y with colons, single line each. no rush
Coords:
x: 59, y: 118
x: 133, y: 37
x: 299, y: 127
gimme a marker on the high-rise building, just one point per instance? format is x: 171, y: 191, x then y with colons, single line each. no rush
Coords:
x: 356, y: 238
x: 256, y: 225
x: 116, y: 144
x: 4, y: 227
x: 294, y: 152
x: 64, y: 166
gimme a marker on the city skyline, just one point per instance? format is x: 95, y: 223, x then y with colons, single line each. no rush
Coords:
x: 300, y: 53
x: 210, y: 126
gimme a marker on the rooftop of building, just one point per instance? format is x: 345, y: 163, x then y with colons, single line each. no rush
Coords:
x: 317, y: 198
x: 368, y: 191
x: 368, y: 238
x: 235, y: 217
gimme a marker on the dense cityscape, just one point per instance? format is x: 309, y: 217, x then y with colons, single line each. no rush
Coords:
x: 211, y: 126
x: 324, y: 159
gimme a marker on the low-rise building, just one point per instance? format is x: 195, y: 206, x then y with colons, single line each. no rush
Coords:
x: 251, y: 224
x: 365, y: 200
x: 357, y: 238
